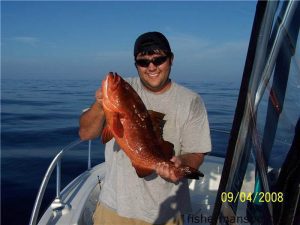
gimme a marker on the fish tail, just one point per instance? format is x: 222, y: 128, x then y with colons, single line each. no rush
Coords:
x: 190, y: 173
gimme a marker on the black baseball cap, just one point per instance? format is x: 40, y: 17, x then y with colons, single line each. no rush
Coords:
x: 151, y: 41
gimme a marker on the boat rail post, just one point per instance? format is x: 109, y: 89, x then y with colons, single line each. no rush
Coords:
x: 89, y: 155
x: 57, y: 204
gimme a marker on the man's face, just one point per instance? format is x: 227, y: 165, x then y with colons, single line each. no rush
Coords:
x: 154, y: 75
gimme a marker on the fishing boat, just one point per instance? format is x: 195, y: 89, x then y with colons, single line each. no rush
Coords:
x: 250, y: 185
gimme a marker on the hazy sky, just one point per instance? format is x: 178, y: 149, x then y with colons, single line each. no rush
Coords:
x: 76, y: 39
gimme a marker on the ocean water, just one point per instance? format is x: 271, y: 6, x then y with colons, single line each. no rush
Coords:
x: 40, y: 117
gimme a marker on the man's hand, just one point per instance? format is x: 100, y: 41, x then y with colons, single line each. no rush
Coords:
x: 91, y: 121
x: 99, y: 96
x: 190, y: 159
x: 166, y: 173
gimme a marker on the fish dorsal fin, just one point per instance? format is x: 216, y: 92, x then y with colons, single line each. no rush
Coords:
x: 158, y: 125
x: 106, y: 135
x: 157, y: 122
x: 117, y: 126
x: 156, y: 116
x: 142, y: 172
x: 168, y: 149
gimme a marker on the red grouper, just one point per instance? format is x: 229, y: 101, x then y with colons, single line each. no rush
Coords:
x: 137, y: 130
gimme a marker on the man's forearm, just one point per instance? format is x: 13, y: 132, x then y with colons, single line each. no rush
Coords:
x: 91, y: 122
x: 192, y: 159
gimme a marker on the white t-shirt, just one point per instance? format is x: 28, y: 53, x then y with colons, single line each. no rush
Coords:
x: 153, y: 199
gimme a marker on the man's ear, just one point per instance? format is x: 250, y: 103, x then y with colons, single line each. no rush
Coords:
x: 135, y: 65
x: 171, y: 59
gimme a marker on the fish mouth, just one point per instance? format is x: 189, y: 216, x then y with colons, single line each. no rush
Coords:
x: 113, y: 80
x: 109, y: 85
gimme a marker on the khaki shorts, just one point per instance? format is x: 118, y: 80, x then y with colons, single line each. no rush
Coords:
x: 105, y: 216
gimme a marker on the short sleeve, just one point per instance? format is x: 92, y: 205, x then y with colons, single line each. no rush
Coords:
x: 196, y: 133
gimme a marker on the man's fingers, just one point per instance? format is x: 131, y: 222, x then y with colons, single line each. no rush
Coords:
x: 166, y: 172
x: 98, y: 95
x: 176, y: 160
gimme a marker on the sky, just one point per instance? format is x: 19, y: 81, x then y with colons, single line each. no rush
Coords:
x: 87, y: 39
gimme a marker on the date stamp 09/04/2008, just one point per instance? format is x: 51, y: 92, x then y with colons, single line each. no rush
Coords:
x: 252, y: 197
x: 231, y: 197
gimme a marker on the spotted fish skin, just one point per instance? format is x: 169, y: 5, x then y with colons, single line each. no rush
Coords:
x: 137, y: 130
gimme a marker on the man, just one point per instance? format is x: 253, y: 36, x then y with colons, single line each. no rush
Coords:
x: 160, y: 197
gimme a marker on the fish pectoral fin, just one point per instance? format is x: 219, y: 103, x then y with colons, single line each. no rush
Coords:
x: 117, y: 126
x: 106, y: 135
x: 168, y: 149
x: 142, y: 172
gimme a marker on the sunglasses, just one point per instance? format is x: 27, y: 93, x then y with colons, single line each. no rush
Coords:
x: 156, y: 61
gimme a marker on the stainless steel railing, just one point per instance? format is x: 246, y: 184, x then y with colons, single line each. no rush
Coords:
x: 56, y: 162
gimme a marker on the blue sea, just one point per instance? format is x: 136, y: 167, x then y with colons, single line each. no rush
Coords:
x: 40, y: 117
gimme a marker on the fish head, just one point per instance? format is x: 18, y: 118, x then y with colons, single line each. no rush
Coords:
x: 116, y: 93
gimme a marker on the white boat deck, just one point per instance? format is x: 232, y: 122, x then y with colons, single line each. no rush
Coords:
x: 81, y: 195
